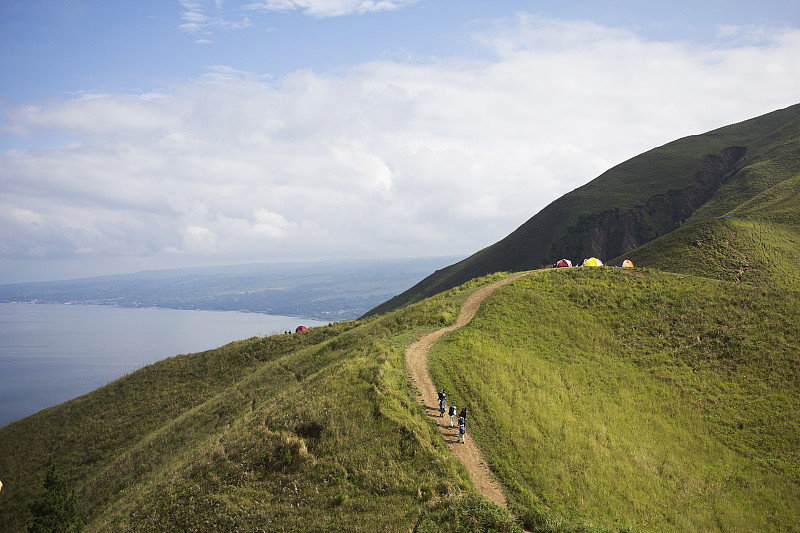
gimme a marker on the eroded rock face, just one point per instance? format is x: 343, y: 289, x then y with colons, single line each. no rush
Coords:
x: 613, y: 232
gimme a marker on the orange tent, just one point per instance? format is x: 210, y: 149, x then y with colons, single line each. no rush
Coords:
x: 626, y: 264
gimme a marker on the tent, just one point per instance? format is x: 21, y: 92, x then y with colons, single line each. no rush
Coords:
x: 300, y: 328
x: 592, y: 262
x: 627, y: 264
x: 564, y: 263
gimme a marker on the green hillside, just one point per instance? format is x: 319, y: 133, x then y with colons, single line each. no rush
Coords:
x: 635, y: 400
x: 644, y: 198
x: 602, y: 398
x: 313, y: 431
x: 757, y: 243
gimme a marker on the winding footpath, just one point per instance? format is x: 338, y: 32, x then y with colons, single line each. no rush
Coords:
x: 417, y: 368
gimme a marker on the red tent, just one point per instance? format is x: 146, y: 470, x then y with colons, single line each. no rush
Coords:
x: 300, y: 328
x: 564, y: 263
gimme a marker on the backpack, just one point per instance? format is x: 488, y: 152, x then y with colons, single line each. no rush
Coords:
x: 452, y: 410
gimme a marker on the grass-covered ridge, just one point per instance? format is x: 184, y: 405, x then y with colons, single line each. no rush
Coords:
x: 635, y: 400
x: 314, y: 431
x: 604, y: 399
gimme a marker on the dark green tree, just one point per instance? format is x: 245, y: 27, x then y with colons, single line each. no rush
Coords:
x: 56, y: 511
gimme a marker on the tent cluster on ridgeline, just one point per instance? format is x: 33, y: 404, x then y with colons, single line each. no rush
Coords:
x: 591, y: 262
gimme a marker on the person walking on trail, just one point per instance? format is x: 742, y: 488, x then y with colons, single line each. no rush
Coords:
x: 463, y: 414
x: 442, y: 402
x: 452, y: 414
x: 462, y: 428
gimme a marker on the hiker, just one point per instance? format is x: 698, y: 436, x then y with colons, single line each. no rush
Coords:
x: 462, y: 428
x: 442, y: 402
x: 463, y: 414
x: 452, y: 415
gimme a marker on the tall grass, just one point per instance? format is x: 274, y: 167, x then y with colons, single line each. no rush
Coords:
x: 614, y: 400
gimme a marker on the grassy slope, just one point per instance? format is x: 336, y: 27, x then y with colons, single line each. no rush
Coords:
x: 757, y: 243
x: 621, y: 399
x: 602, y: 397
x: 315, y: 431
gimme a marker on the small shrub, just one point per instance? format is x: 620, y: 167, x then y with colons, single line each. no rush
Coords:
x: 470, y: 513
x: 543, y: 520
x: 56, y: 511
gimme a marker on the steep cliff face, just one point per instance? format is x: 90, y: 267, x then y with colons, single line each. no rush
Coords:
x: 613, y: 232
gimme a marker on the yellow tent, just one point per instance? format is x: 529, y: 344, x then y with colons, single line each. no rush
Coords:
x: 592, y: 262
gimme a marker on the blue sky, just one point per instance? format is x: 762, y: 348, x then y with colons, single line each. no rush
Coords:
x: 158, y: 134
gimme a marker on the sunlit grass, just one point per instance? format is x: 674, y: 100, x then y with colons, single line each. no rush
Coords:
x: 620, y: 399
x: 604, y: 399
x: 315, y: 431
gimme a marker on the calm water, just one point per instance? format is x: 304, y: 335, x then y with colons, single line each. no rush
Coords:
x: 52, y: 353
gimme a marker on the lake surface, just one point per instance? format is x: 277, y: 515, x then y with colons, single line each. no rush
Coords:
x: 52, y: 353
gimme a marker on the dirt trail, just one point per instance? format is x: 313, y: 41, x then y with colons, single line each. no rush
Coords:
x: 417, y: 367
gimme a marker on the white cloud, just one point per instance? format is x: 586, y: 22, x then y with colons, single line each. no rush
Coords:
x: 387, y: 159
x: 199, y: 240
x: 202, y: 18
x: 752, y: 34
x: 330, y: 8
x: 197, y: 22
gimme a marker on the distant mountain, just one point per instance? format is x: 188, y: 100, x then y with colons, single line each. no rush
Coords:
x: 686, y: 181
x: 331, y: 290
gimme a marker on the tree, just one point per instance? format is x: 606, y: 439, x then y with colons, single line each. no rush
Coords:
x: 57, y: 509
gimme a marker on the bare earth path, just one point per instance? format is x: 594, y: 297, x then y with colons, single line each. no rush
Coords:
x: 417, y: 368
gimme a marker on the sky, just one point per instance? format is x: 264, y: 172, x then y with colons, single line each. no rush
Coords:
x: 148, y: 134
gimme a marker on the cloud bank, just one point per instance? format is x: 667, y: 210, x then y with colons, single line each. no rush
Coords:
x: 387, y: 159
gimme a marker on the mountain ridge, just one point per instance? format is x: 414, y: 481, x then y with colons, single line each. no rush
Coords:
x: 637, y: 201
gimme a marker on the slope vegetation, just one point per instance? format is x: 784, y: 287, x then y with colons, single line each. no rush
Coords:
x: 635, y: 400
x: 690, y: 179
x: 601, y: 398
x: 757, y: 243
x: 313, y: 431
